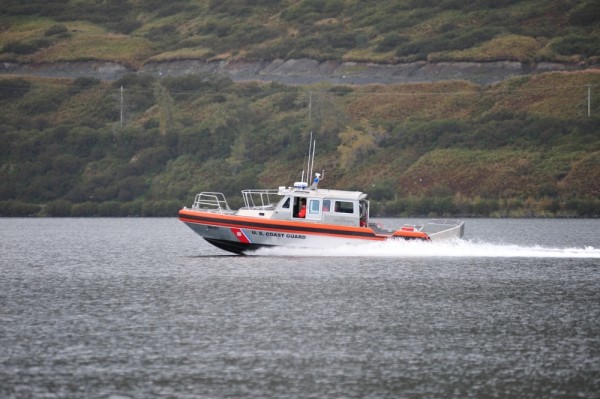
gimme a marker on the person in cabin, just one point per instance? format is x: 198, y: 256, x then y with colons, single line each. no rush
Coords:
x: 316, y: 181
x: 302, y: 213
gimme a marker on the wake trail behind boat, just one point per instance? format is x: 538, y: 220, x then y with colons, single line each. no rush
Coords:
x: 449, y: 248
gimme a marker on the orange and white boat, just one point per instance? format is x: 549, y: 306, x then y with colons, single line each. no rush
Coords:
x: 333, y: 218
x: 299, y: 216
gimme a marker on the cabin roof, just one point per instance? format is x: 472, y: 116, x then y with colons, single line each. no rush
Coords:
x: 323, y: 193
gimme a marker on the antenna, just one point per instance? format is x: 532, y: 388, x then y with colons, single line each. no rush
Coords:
x: 312, y: 163
x: 121, y: 124
x: 308, y: 163
x: 309, y: 108
x: 589, y: 101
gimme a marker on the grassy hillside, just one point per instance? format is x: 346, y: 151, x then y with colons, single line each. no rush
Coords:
x: 525, y: 147
x: 135, y: 32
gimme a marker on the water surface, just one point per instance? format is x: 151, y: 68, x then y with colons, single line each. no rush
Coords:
x: 139, y: 308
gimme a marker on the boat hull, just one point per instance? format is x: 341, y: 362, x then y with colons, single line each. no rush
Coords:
x: 234, y: 247
x: 239, y: 234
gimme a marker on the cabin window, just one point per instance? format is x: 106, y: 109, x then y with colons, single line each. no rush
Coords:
x: 314, y: 207
x: 286, y: 204
x: 326, y: 205
x: 344, y: 207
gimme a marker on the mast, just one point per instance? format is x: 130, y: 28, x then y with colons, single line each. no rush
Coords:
x: 310, y: 149
x: 312, y: 162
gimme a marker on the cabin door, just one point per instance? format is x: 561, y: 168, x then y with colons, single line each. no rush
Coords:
x: 313, y: 211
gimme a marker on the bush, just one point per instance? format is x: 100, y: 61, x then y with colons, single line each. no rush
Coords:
x: 18, y: 209
x: 168, y: 208
x: 19, y: 48
x: 12, y: 89
x: 303, y: 11
x: 43, y: 102
x: 383, y: 190
x: 23, y: 48
x: 131, y: 187
x: 586, y: 207
x: 270, y: 52
x: 484, y: 207
x: 109, y: 209
x: 190, y: 86
x: 453, y: 40
x: 127, y: 26
x: 83, y: 83
x: 165, y: 33
x: 585, y: 46
x: 586, y: 13
x: 59, y: 30
x: 394, y: 208
x: 85, y: 209
x: 251, y: 34
x: 443, y: 206
x: 390, y: 42
x: 58, y: 208
x: 133, y: 208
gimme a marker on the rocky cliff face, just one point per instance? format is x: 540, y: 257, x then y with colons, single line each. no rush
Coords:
x: 298, y: 71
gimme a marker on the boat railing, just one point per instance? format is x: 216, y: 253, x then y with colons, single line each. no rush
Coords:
x: 211, y: 201
x: 440, y: 228
x: 260, y: 198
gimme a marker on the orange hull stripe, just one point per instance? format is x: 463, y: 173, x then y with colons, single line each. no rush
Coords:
x: 245, y: 222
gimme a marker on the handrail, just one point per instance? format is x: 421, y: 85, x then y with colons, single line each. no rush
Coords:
x: 259, y: 198
x: 212, y: 201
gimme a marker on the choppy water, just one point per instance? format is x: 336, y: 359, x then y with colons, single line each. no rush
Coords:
x: 140, y: 308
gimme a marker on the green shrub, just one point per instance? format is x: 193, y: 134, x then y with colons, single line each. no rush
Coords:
x: 133, y: 208
x: 58, y: 208
x: 59, y: 31
x: 14, y: 88
x: 586, y: 207
x: 43, y: 102
x: 484, y: 207
x: 170, y: 9
x: 251, y: 34
x: 131, y: 187
x: 190, y: 86
x: 85, y: 209
x: 166, y: 208
x: 382, y: 191
x: 574, y: 44
x: 138, y: 91
x: 83, y: 83
x: 279, y: 50
x: 162, y: 33
x: 20, y: 48
x: 18, y: 209
x: 586, y: 13
x: 390, y: 42
x: 453, y: 40
x: 127, y: 26
x: 109, y: 209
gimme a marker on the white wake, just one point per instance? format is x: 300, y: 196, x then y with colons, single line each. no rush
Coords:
x: 450, y: 248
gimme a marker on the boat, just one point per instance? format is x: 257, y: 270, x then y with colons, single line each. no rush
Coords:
x: 300, y: 216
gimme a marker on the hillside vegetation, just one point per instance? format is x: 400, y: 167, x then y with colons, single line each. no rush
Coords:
x: 144, y: 145
x: 525, y: 147
x: 135, y: 32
